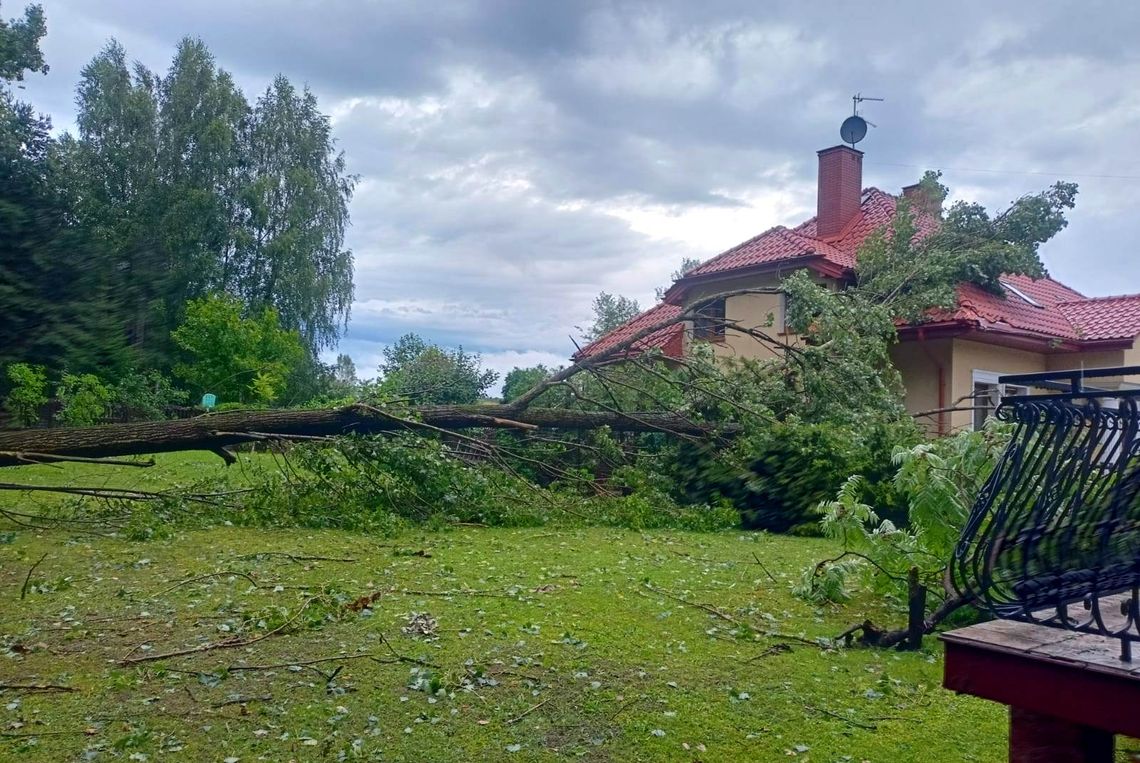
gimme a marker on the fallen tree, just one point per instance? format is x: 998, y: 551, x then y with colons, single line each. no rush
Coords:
x: 218, y: 431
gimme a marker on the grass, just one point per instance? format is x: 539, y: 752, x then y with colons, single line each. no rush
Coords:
x: 470, y: 644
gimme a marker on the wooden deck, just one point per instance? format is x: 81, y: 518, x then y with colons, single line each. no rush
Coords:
x: 1068, y: 693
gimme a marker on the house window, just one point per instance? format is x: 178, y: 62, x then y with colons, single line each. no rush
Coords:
x: 988, y: 394
x: 709, y: 321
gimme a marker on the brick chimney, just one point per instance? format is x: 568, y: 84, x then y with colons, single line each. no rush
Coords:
x: 840, y: 189
x: 920, y: 203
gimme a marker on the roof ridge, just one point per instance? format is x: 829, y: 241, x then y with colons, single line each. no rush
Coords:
x: 1083, y: 300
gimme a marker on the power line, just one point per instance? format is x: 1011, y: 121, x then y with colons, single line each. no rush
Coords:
x: 1014, y: 172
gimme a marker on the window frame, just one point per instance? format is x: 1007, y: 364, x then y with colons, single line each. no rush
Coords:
x: 709, y: 325
x: 989, y: 379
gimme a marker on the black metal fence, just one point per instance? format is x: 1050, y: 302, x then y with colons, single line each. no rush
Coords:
x: 1054, y: 537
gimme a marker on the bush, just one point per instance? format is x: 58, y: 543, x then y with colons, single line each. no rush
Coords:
x: 28, y: 394
x: 83, y: 399
x: 938, y: 482
x: 146, y: 395
x: 791, y: 468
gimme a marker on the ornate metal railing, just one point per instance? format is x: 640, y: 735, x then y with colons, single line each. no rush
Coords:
x: 1054, y: 537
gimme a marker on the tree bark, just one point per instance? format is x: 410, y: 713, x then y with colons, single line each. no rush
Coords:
x: 217, y: 431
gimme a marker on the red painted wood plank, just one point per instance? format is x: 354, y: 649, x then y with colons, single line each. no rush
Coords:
x: 1098, y: 693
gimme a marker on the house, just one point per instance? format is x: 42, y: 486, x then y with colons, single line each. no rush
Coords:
x: 1038, y: 325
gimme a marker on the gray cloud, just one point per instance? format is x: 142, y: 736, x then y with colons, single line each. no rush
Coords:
x: 518, y: 157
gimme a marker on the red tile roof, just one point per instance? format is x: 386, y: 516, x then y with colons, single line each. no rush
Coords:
x: 668, y: 339
x: 1103, y: 318
x: 990, y: 311
x: 1053, y: 311
x: 780, y: 243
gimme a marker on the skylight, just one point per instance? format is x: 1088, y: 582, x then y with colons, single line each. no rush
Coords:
x: 1011, y: 288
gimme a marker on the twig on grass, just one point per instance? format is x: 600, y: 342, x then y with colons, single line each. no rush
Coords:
x: 297, y: 557
x: 397, y: 657
x: 779, y: 648
x: 243, y: 700
x: 729, y: 618
x: 687, y: 602
x: 11, y: 735
x: 300, y: 663
x: 844, y: 718
x: 36, y: 687
x: 224, y: 573
x: 769, y: 574
x: 230, y: 643
x: 28, y: 578
x: 528, y: 711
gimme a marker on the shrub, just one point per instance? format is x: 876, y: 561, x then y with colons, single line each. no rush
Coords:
x: 28, y: 394
x: 939, y: 482
x: 83, y: 399
x: 791, y: 467
x: 146, y: 395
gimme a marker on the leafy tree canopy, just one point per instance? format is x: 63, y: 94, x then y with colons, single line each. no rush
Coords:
x: 521, y: 380
x: 911, y: 273
x: 20, y: 44
x: 610, y: 311
x: 239, y: 359
x: 427, y: 373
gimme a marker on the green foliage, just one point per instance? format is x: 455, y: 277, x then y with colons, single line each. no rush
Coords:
x: 910, y: 273
x: 83, y: 399
x: 238, y: 359
x: 939, y: 481
x: 20, y: 45
x: 291, y: 256
x: 28, y: 393
x: 379, y: 484
x: 777, y: 475
x: 146, y: 395
x: 418, y: 371
x: 519, y: 381
x: 610, y: 311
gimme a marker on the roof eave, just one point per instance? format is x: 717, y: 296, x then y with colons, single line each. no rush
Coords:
x: 675, y: 294
x: 1005, y: 336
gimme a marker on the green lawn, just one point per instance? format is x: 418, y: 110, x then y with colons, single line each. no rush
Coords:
x: 473, y: 644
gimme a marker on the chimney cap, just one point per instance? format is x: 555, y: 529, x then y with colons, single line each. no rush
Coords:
x: 840, y: 147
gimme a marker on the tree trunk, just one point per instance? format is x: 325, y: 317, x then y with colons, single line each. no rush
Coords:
x: 217, y: 431
x: 916, y: 611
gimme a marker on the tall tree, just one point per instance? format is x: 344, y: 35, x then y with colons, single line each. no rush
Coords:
x: 423, y: 372
x: 610, y: 311
x: 55, y: 309
x: 202, y: 120
x: 115, y: 167
x: 293, y: 256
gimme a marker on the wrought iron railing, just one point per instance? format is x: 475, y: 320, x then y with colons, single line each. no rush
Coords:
x: 1054, y: 537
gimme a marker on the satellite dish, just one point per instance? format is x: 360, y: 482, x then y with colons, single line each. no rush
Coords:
x: 853, y: 129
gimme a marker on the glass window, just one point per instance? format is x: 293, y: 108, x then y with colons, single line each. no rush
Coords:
x: 709, y: 322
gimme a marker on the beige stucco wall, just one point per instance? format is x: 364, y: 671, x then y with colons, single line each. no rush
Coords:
x: 924, y: 367
x: 762, y: 312
x: 974, y: 356
x: 1065, y: 361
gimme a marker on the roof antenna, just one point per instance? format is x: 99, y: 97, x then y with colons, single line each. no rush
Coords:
x: 854, y: 127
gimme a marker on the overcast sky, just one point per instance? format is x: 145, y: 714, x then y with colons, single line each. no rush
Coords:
x: 516, y: 158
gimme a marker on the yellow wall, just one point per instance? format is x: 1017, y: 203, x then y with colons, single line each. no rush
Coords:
x: 1068, y: 360
x: 762, y: 312
x: 919, y: 364
x: 974, y: 356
